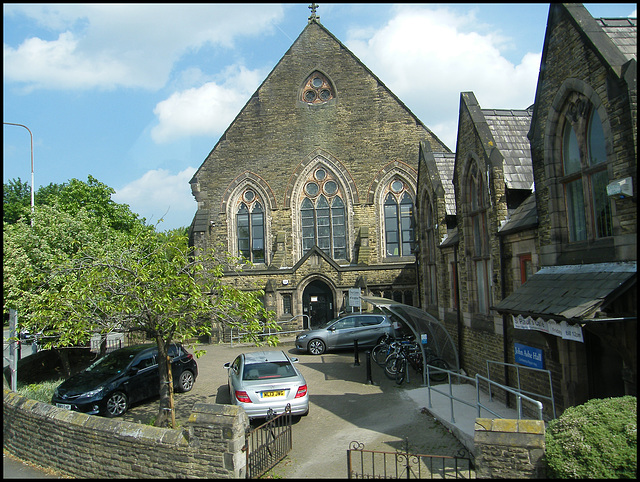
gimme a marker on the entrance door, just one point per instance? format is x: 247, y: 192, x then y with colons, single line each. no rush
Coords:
x: 317, y: 302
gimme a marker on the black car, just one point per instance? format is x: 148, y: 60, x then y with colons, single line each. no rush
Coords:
x: 125, y: 376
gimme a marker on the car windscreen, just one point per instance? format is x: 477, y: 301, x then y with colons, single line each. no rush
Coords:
x: 268, y: 370
x: 329, y: 323
x: 114, y: 362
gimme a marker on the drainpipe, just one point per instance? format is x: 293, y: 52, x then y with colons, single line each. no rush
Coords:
x: 505, y: 343
x: 457, y: 295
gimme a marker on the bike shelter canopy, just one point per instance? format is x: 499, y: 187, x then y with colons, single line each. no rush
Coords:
x: 419, y: 323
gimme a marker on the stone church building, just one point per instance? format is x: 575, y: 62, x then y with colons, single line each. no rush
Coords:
x: 315, y: 183
x: 528, y: 233
x: 523, y: 243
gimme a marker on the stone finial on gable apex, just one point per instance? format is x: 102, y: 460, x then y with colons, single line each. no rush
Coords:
x: 313, y: 18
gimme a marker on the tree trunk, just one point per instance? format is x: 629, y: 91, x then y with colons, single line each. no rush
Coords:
x: 63, y: 354
x: 166, y: 416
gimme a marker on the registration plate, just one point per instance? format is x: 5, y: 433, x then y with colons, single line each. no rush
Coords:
x: 273, y: 393
x: 66, y: 406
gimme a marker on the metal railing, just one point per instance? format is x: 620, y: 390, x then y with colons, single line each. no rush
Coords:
x: 478, y: 405
x: 403, y: 464
x: 269, y: 331
x: 519, y: 388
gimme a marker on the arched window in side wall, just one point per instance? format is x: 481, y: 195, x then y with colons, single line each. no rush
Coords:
x: 585, y: 175
x: 399, y: 222
x: 430, y: 255
x: 250, y: 228
x: 480, y: 255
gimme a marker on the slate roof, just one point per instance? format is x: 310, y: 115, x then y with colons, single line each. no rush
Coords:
x: 446, y: 163
x: 509, y: 129
x: 573, y: 292
x: 200, y: 221
x: 623, y: 32
x: 524, y: 217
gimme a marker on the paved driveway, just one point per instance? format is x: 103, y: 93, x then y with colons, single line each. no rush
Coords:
x: 344, y: 407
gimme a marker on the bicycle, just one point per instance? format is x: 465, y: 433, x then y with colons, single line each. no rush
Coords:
x: 396, y: 365
x: 386, y: 347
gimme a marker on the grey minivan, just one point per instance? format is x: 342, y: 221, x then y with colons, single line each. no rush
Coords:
x: 367, y: 328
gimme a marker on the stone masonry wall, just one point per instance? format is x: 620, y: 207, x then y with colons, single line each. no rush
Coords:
x: 87, y: 446
x: 509, y: 449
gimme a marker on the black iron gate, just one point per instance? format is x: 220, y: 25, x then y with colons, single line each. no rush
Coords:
x: 269, y: 443
x: 372, y: 464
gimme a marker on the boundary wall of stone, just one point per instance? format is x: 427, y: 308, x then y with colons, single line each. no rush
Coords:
x: 87, y: 446
x: 509, y: 449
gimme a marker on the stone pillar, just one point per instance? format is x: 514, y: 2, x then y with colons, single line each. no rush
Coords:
x: 218, y: 432
x: 509, y: 449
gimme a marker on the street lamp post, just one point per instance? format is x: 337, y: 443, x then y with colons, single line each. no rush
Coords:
x: 32, y: 185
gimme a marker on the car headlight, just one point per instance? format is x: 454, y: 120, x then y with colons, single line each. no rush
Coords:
x: 92, y: 393
x: 302, y: 337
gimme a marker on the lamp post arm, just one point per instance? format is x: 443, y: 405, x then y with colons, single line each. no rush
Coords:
x: 33, y: 203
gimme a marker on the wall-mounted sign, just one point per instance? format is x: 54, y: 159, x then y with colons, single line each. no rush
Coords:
x: 563, y: 329
x: 528, y: 356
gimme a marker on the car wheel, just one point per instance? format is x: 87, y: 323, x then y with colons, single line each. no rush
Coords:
x: 117, y: 404
x: 186, y: 381
x: 316, y: 347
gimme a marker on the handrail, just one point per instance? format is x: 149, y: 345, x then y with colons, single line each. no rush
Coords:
x: 478, y: 404
x: 519, y: 397
x: 268, y: 333
x: 518, y: 368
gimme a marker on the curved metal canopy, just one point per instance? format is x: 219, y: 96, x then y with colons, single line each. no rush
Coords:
x: 419, y: 323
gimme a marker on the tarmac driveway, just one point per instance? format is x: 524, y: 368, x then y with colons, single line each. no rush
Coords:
x: 344, y: 407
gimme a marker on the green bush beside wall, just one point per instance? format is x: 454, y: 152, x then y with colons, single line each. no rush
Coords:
x: 595, y: 440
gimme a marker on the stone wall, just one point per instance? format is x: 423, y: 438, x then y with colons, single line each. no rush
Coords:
x: 87, y: 446
x: 509, y: 449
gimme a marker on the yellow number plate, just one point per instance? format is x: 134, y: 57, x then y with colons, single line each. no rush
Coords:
x: 275, y: 393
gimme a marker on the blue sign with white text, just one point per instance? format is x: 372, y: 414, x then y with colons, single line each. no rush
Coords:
x: 529, y: 356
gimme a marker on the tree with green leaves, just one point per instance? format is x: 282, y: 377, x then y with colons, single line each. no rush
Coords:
x: 92, y: 195
x: 153, y: 283
x: 16, y: 200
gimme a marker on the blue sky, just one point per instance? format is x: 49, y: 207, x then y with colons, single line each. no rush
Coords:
x: 137, y: 95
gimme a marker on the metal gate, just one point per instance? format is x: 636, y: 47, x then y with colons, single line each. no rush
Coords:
x: 372, y: 464
x: 269, y: 443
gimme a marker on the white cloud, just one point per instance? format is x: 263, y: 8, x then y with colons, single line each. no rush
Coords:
x: 206, y: 110
x: 428, y: 56
x: 160, y: 194
x: 123, y: 45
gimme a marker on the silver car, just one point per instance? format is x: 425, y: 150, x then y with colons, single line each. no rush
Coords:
x: 367, y: 328
x: 263, y: 380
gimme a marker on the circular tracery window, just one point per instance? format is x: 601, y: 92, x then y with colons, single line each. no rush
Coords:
x: 397, y: 186
x: 317, y: 89
x: 249, y: 195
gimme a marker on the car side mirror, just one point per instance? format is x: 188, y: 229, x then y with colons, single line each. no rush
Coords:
x: 133, y: 370
x: 227, y: 365
x: 294, y: 360
x: 333, y: 328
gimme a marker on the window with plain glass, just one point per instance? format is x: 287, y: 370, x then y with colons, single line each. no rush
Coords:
x: 584, y: 166
x: 250, y: 232
x: 399, y: 225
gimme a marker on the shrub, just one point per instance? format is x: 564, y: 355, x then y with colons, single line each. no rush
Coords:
x: 595, y: 440
x: 41, y: 392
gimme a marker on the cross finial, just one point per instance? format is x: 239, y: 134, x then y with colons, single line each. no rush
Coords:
x: 313, y: 7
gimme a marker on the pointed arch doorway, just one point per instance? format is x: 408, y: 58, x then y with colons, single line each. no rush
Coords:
x: 317, y: 302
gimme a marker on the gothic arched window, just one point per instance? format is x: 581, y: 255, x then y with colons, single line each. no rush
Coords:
x: 585, y: 176
x: 480, y: 255
x: 317, y: 89
x: 250, y: 228
x: 323, y: 216
x: 398, y: 220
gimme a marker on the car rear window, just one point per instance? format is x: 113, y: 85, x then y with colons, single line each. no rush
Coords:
x: 267, y: 370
